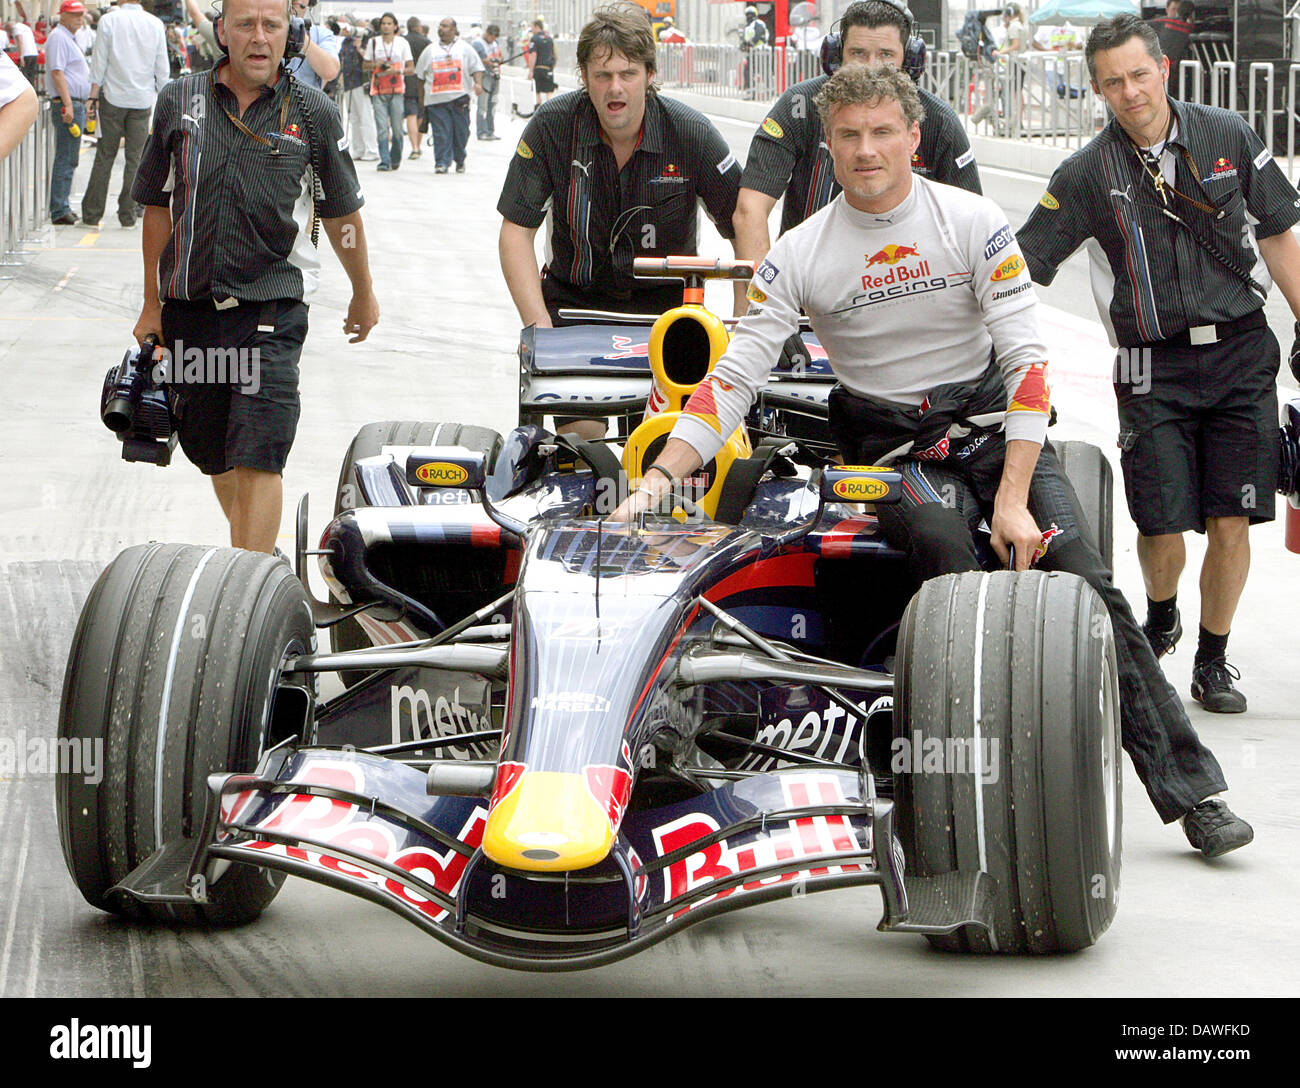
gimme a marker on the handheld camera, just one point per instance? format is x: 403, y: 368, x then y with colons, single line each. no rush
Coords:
x: 137, y: 407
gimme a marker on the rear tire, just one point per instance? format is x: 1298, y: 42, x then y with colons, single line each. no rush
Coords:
x: 1032, y: 657
x: 1093, y: 480
x: 176, y: 657
x: 370, y: 442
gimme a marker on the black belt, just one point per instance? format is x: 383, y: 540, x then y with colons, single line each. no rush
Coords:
x: 1201, y: 335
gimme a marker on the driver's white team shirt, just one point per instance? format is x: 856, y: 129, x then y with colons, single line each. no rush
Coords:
x: 902, y: 303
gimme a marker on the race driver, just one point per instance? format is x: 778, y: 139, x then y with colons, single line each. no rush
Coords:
x: 913, y: 288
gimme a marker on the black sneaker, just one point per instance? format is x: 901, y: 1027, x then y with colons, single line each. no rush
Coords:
x: 1213, y: 829
x: 66, y: 220
x: 460, y: 168
x: 1163, y: 639
x: 1212, y: 687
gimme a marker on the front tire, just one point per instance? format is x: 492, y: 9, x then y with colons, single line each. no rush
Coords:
x: 1019, y: 671
x: 173, y: 670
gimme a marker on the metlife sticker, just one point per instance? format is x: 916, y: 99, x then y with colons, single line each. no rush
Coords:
x: 998, y: 242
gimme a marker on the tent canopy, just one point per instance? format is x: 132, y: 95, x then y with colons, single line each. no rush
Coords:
x: 1082, y: 12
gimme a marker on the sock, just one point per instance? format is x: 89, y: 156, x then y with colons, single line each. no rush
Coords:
x: 1160, y: 614
x: 1211, y: 647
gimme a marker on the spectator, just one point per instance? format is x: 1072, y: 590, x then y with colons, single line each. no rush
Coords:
x: 86, y: 34
x: 1174, y: 31
x: 489, y: 50
x: 388, y: 60
x: 417, y: 123
x: 541, y: 61
x: 27, y: 51
x: 450, y: 68
x: 1015, y: 39
x: 18, y: 106
x: 128, y: 69
x: 67, y: 83
x: 669, y: 34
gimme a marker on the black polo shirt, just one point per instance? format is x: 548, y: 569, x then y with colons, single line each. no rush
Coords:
x: 241, y: 209
x: 1164, y: 281
x: 601, y: 217
x: 788, y: 154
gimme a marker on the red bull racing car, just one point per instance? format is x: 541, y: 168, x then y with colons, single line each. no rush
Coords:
x: 561, y: 739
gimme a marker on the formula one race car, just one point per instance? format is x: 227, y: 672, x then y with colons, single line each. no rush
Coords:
x: 563, y: 739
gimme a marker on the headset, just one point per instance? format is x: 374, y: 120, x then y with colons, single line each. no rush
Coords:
x: 913, y: 44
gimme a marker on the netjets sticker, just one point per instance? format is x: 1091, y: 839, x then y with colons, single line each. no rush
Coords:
x: 1262, y: 158
x: 524, y: 151
x: 727, y: 163
x: 773, y: 129
x: 1049, y: 202
x: 965, y: 158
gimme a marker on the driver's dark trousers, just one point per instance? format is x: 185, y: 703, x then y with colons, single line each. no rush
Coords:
x: 935, y: 524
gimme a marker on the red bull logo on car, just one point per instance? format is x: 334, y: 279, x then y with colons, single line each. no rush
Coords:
x: 892, y: 254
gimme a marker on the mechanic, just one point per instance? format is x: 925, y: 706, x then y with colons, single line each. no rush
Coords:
x: 619, y: 167
x: 788, y: 157
x: 18, y: 106
x: 909, y: 333
x: 541, y: 62
x: 229, y: 266
x: 1194, y: 217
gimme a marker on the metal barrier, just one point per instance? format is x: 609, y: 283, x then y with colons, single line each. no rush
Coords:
x: 25, y: 192
x: 720, y: 71
x: 1044, y: 98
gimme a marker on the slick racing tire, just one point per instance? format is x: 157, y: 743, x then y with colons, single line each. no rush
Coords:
x: 1007, y: 725
x: 370, y: 442
x: 1093, y: 480
x: 173, y: 669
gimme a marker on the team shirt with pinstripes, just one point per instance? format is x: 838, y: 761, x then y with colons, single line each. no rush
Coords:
x: 789, y: 156
x: 241, y: 215
x: 602, y: 218
x: 1151, y: 278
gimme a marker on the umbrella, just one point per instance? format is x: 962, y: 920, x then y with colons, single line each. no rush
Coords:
x: 1082, y: 12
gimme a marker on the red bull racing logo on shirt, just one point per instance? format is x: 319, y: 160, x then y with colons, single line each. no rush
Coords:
x: 892, y: 254
x: 904, y: 273
x: 1223, y: 168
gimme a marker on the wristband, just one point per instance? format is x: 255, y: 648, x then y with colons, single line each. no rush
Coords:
x: 660, y: 469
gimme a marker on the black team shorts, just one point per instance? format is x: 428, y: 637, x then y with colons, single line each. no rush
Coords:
x: 236, y: 381
x: 1198, y: 430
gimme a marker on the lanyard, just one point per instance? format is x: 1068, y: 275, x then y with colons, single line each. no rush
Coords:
x: 1151, y: 167
x: 284, y: 114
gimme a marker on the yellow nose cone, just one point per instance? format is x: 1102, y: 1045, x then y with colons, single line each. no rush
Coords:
x: 549, y: 822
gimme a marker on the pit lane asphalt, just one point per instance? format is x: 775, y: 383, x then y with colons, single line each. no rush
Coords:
x: 444, y: 351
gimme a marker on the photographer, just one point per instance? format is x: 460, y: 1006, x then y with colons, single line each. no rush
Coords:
x: 319, y: 62
x: 389, y: 62
x: 228, y: 259
x: 356, y: 91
